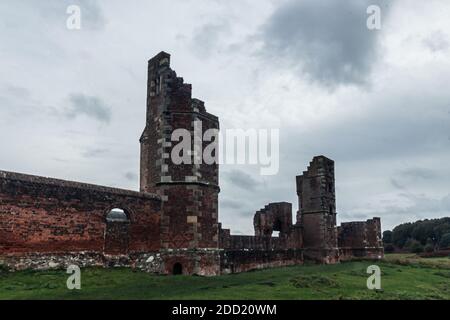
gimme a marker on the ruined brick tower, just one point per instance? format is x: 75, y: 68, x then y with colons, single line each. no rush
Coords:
x: 189, y: 190
x: 317, y: 210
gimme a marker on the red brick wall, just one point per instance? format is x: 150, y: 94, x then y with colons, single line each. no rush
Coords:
x: 47, y: 215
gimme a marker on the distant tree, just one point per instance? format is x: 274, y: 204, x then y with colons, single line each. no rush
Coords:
x: 428, y: 248
x: 424, y: 231
x: 441, y: 228
x: 389, y: 248
x: 445, y: 241
x: 414, y: 246
x: 387, y: 236
x: 401, y: 234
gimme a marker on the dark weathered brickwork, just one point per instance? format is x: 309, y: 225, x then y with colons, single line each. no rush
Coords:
x: 360, y: 239
x: 171, y: 226
x: 317, y: 210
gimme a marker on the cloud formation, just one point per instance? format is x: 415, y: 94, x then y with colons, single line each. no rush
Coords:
x: 241, y: 179
x: 328, y: 40
x: 90, y: 106
x: 131, y: 176
x: 437, y: 41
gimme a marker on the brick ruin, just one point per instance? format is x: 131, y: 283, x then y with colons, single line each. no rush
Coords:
x: 171, y: 226
x: 360, y: 239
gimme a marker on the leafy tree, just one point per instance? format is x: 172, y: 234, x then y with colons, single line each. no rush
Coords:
x: 428, y: 248
x: 445, y: 241
x: 416, y: 247
x: 389, y: 248
x: 422, y: 231
x: 401, y: 234
x: 387, y: 236
x: 425, y: 231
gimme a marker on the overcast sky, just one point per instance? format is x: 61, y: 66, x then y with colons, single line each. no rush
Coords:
x: 72, y: 102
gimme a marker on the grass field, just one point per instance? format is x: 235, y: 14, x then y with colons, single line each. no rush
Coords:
x: 403, y: 277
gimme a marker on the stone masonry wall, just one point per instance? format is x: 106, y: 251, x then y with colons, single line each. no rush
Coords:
x: 360, y: 239
x: 317, y: 210
x: 48, y: 216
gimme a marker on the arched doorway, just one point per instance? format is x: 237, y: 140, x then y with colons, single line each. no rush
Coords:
x: 177, y: 269
x: 117, y: 232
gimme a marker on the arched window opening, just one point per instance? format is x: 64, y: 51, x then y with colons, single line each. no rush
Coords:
x: 177, y: 269
x: 117, y: 215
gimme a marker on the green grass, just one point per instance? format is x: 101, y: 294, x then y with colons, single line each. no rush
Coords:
x: 421, y: 279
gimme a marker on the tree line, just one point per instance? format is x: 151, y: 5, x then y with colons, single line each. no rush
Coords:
x: 423, y: 235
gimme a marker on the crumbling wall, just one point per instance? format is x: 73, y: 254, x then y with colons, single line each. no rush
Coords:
x: 317, y: 210
x: 361, y: 239
x: 235, y: 261
x: 273, y: 217
x: 48, y: 216
x: 242, y: 253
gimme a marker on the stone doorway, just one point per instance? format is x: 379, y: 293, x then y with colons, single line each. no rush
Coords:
x: 177, y: 269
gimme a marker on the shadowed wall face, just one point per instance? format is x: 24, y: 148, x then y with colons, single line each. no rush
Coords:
x: 317, y: 209
x: 317, y: 200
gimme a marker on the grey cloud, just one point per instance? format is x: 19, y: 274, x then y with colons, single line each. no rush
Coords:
x: 231, y: 204
x: 16, y: 100
x: 419, y: 173
x: 17, y: 91
x: 241, y: 179
x: 92, y: 16
x: 422, y: 206
x: 397, y: 184
x: 437, y: 41
x: 419, y: 206
x: 384, y: 132
x: 131, y: 176
x: 412, y: 176
x: 207, y: 38
x: 94, y: 152
x: 89, y: 106
x: 353, y: 217
x: 328, y: 40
